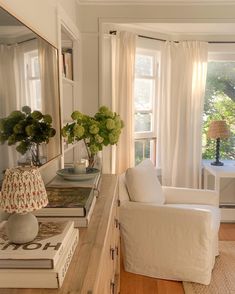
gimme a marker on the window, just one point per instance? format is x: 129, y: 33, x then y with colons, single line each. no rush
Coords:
x: 220, y: 103
x: 145, y: 87
x: 32, y: 78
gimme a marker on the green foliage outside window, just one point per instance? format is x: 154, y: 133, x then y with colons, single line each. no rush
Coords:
x: 219, y: 105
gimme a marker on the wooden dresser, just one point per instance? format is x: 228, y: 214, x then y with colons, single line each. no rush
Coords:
x: 95, y: 266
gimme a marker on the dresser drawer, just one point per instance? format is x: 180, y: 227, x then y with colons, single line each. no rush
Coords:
x: 108, y: 279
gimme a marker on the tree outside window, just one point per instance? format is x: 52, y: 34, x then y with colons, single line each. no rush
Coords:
x: 219, y: 105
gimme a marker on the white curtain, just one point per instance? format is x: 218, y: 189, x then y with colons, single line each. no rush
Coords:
x: 49, y: 89
x: 22, y: 98
x: 13, y: 91
x: 7, y: 101
x: 182, y: 87
x: 123, y: 62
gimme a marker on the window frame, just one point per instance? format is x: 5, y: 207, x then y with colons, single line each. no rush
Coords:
x: 152, y: 134
x: 30, y: 79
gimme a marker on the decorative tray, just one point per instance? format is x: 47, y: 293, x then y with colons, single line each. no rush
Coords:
x: 70, y: 175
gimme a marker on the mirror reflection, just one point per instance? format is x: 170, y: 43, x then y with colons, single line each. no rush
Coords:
x: 28, y: 76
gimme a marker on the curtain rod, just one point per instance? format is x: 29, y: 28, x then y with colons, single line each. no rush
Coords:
x: 21, y: 42
x: 27, y: 40
x: 163, y: 40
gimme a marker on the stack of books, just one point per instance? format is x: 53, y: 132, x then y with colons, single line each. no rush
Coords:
x: 42, y: 263
x: 70, y: 200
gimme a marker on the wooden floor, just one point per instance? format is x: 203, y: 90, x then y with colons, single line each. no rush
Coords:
x: 136, y: 284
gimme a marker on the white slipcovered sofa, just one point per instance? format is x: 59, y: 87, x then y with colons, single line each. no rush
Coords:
x: 174, y: 237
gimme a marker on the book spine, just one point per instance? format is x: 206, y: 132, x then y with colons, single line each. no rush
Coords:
x: 67, y: 260
x: 63, y: 245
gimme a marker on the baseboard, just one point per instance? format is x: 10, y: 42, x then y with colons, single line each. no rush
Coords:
x: 228, y: 214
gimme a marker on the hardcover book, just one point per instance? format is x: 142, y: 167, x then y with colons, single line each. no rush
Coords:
x: 79, y: 221
x: 41, y: 278
x: 67, y: 202
x: 94, y: 183
x: 44, y: 252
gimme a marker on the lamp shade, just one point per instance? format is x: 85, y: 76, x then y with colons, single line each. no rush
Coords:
x: 23, y: 190
x: 218, y: 129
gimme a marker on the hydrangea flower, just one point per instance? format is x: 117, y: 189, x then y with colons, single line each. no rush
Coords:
x: 96, y: 132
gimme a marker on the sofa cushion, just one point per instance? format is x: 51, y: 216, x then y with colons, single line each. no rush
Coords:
x: 142, y: 183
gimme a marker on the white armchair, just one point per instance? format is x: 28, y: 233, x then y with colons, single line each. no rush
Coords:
x: 177, y: 240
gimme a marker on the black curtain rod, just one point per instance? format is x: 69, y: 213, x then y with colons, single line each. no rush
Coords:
x: 21, y: 42
x: 27, y: 40
x: 163, y: 40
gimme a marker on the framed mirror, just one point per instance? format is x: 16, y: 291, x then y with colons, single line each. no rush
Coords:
x: 28, y: 77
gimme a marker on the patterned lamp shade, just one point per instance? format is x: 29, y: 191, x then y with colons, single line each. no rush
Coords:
x: 23, y: 190
x: 218, y: 129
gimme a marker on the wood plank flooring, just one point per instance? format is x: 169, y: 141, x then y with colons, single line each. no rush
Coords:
x: 137, y: 284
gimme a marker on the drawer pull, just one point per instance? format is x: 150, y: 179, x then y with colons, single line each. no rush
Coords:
x: 118, y: 202
x: 116, y: 223
x: 112, y: 287
x: 117, y: 250
x: 112, y: 252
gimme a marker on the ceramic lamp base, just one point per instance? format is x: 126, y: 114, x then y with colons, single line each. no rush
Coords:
x: 22, y: 228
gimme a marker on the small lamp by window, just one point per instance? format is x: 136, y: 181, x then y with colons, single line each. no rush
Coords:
x: 218, y: 130
x: 23, y: 191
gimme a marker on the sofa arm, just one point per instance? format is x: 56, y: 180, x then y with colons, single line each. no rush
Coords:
x: 160, y: 216
x: 164, y: 241
x: 175, y: 195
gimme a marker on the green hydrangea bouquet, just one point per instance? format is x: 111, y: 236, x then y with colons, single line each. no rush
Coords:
x: 101, y: 130
x: 28, y: 130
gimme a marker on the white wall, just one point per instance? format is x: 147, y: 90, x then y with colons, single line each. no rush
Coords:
x: 41, y: 16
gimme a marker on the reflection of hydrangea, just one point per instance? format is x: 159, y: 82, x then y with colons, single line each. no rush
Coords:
x: 101, y: 130
x: 26, y: 129
x: 47, y: 119
x: 36, y: 115
x: 29, y: 130
x: 18, y: 128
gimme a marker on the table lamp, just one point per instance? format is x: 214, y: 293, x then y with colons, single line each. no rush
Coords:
x: 218, y: 129
x: 23, y: 191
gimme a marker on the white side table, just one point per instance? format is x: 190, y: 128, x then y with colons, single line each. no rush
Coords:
x: 226, y: 192
x: 225, y: 171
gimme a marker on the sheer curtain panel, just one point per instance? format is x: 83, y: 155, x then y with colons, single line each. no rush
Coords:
x: 182, y: 87
x: 123, y: 63
x: 49, y: 88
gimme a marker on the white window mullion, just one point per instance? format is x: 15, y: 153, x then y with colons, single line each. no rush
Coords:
x: 145, y: 104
